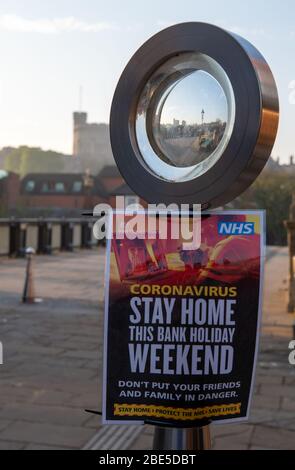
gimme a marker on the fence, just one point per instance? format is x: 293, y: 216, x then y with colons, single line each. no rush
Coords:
x: 44, y: 235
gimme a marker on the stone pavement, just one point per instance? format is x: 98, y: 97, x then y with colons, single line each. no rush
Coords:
x: 52, y: 352
x: 53, y: 358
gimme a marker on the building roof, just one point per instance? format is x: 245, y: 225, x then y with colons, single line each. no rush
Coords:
x: 122, y: 190
x: 99, y: 188
x: 53, y: 176
x: 109, y: 171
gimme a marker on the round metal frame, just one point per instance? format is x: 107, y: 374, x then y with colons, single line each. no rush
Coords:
x: 253, y: 129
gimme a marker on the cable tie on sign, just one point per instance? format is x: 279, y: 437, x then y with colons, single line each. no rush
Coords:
x: 95, y: 412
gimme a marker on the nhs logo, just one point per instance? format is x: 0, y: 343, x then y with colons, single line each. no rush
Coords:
x: 236, y: 228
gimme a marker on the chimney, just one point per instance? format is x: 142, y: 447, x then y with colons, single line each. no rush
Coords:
x: 291, y: 160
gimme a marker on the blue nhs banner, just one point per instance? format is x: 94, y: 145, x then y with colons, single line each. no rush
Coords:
x: 236, y: 228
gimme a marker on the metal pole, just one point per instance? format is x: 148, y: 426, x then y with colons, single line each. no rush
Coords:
x: 168, y: 438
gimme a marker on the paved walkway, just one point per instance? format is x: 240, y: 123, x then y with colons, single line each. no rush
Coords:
x: 53, y: 358
x: 52, y: 352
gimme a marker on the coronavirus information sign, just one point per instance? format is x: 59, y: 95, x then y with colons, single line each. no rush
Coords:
x: 182, y: 323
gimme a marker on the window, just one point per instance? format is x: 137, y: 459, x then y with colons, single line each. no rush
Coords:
x: 30, y: 186
x: 77, y: 186
x: 59, y: 187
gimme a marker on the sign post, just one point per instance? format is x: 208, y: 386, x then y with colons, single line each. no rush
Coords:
x: 193, y: 121
x: 195, y: 438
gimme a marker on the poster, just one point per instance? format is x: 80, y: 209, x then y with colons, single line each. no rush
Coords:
x: 182, y: 325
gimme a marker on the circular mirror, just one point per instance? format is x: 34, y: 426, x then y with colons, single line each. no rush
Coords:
x: 194, y: 116
x: 190, y: 120
x: 184, y: 117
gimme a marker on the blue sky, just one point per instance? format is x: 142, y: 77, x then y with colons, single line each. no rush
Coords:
x: 49, y: 48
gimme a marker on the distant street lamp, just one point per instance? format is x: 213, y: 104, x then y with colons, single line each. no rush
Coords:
x: 202, y: 116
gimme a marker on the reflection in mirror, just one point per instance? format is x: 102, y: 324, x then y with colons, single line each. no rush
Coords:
x: 190, y: 119
x: 184, y: 117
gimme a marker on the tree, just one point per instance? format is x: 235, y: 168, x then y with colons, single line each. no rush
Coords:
x: 272, y: 191
x: 12, y: 161
x: 24, y: 160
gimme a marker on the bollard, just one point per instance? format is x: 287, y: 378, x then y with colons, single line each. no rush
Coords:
x: 28, y: 293
x: 195, y: 438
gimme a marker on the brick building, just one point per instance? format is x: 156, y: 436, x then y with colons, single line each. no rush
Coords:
x: 58, y: 194
x: 9, y: 190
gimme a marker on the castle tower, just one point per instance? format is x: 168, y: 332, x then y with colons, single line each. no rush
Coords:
x: 91, y: 144
x: 80, y: 121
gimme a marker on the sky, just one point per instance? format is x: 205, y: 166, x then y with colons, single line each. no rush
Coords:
x: 195, y: 93
x: 49, y: 48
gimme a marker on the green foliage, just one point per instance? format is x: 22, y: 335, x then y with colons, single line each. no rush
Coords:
x: 272, y: 191
x: 24, y: 160
x: 12, y: 161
